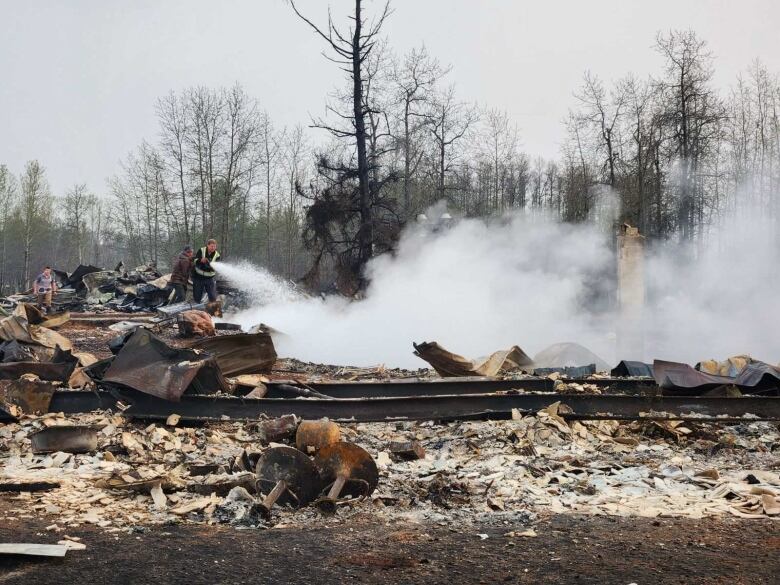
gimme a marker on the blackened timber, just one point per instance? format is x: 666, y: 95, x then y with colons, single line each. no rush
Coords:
x: 482, y: 406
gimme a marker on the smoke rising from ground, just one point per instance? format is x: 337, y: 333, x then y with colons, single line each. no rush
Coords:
x: 532, y: 281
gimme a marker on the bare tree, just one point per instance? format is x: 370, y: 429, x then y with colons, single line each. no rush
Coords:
x: 8, y: 194
x: 415, y: 79
x: 603, y: 113
x: 270, y: 152
x: 175, y: 125
x: 76, y: 205
x: 207, y: 109
x: 692, y: 114
x: 295, y: 150
x: 34, y: 207
x: 242, y: 126
x: 499, y: 148
x: 448, y: 121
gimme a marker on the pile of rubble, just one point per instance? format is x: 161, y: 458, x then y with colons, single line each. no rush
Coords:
x: 478, y: 471
x: 109, y: 469
x: 90, y: 288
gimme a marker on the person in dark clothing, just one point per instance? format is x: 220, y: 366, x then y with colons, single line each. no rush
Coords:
x: 180, y: 276
x: 203, y: 272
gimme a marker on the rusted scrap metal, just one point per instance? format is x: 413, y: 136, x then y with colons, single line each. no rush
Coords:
x: 17, y: 327
x: 37, y: 317
x: 287, y: 476
x: 672, y: 376
x: 30, y: 395
x: 759, y: 376
x: 313, y: 435
x: 754, y: 377
x: 147, y: 364
x: 244, y: 353
x: 407, y: 450
x: 346, y: 469
x: 632, y: 368
x: 70, y: 439
x: 44, y: 370
x: 59, y: 369
x: 448, y: 364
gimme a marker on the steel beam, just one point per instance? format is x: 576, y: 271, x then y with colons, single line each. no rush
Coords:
x: 482, y: 406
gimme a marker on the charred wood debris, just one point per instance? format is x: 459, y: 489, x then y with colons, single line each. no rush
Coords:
x: 181, y: 417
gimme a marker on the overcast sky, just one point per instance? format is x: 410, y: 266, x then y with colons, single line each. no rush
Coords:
x: 79, y: 78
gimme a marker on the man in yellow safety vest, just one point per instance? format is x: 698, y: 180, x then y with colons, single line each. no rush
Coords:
x: 203, y: 272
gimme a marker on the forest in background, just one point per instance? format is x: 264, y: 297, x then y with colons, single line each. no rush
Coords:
x: 316, y: 201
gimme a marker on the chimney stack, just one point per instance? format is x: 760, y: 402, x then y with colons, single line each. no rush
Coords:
x: 631, y: 294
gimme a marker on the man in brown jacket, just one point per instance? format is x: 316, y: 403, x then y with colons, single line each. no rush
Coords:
x: 180, y: 275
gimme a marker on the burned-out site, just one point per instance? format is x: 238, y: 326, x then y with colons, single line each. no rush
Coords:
x: 370, y: 291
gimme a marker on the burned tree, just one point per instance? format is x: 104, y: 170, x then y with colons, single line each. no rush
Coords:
x: 345, y: 220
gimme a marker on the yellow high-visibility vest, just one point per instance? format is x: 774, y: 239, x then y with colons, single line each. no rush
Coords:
x: 206, y: 273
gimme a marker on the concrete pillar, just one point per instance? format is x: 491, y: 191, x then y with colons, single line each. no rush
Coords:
x: 631, y: 294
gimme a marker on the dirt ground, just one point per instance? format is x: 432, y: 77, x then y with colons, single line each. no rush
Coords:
x: 568, y: 549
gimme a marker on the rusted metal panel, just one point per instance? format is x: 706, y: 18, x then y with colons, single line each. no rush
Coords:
x: 70, y: 439
x: 759, y: 376
x: 147, y: 364
x: 676, y: 377
x: 44, y: 370
x: 32, y: 396
x: 673, y: 376
x: 245, y: 353
x: 448, y: 364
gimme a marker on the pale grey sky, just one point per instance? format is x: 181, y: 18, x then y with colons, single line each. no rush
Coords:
x: 79, y: 78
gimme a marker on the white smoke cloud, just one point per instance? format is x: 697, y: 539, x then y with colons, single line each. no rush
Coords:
x: 719, y: 296
x: 474, y: 288
x: 532, y: 281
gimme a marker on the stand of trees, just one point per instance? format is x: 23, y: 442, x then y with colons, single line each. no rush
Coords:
x: 317, y: 203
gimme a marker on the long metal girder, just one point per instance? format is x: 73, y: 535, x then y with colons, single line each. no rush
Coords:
x: 483, y: 406
x: 455, y: 386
